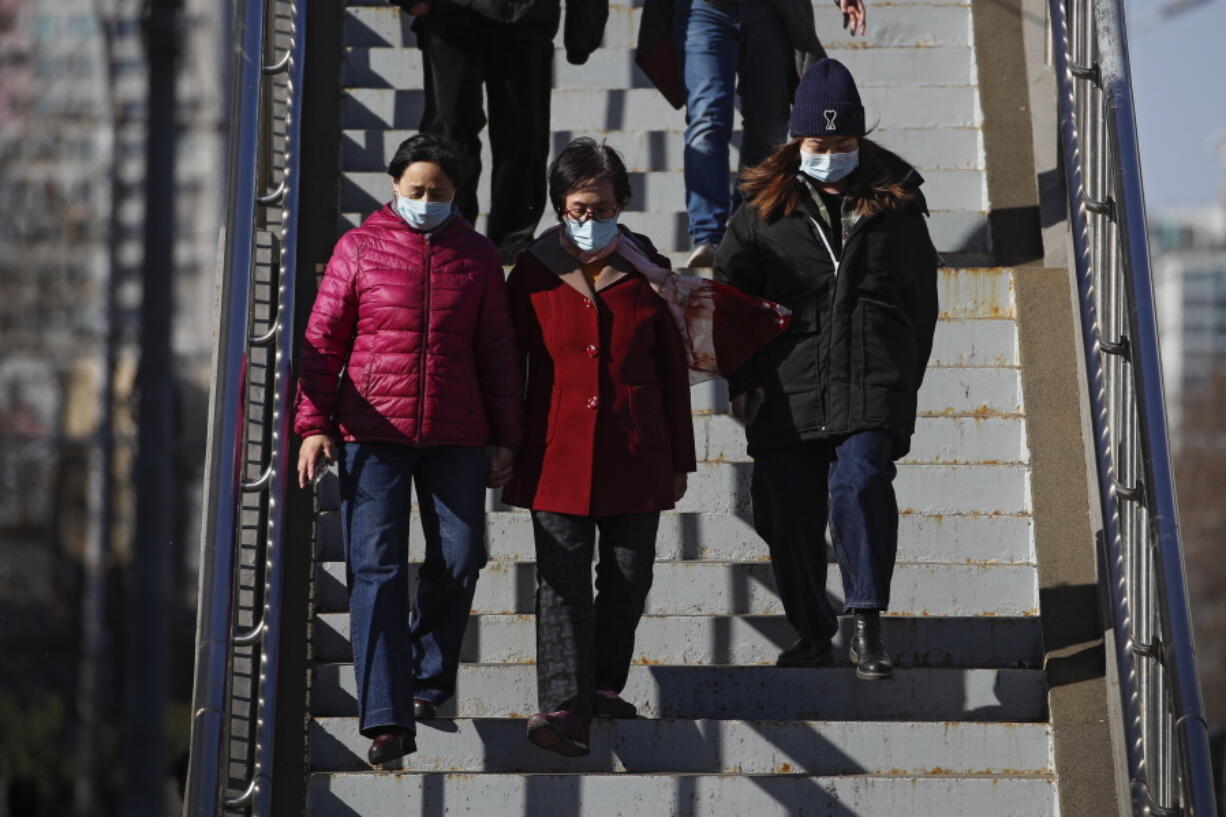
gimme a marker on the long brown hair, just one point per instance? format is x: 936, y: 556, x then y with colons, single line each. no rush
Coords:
x: 773, y: 188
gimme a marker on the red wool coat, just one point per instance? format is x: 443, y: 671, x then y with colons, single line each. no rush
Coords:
x: 410, y: 340
x: 607, y: 406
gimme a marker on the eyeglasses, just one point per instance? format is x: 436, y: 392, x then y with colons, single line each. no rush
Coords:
x: 598, y: 213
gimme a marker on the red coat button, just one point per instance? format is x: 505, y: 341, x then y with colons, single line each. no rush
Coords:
x: 592, y: 351
x: 593, y: 402
x: 587, y: 303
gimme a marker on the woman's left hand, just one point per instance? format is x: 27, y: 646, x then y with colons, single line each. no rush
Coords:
x: 501, y: 462
x: 680, y: 482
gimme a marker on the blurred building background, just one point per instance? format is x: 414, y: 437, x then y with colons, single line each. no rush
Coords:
x: 1189, y: 261
x: 73, y: 126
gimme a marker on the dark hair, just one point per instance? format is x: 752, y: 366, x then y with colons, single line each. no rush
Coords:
x: 582, y: 162
x: 426, y: 147
x: 772, y: 187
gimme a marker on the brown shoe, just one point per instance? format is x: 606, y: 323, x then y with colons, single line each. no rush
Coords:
x: 562, y: 732
x: 391, y: 745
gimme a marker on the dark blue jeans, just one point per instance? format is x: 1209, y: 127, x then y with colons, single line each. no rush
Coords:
x: 396, y: 658
x: 850, y: 483
x: 718, y: 45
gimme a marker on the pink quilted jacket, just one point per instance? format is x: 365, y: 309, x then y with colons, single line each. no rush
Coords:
x: 410, y: 340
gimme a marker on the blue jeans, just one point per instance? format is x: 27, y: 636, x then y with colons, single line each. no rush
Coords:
x: 849, y: 482
x: 395, y: 658
x: 745, y: 40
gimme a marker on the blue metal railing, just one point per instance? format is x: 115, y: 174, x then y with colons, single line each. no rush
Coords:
x: 253, y: 165
x: 1141, y: 558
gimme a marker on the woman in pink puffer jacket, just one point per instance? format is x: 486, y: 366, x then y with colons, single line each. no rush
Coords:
x: 410, y: 358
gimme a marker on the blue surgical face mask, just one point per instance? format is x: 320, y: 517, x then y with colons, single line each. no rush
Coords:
x: 591, y: 235
x: 421, y: 214
x: 828, y: 167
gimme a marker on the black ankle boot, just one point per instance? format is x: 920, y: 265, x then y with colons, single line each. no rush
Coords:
x: 868, y: 651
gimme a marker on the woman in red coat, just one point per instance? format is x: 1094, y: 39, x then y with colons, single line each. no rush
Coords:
x: 410, y: 358
x: 608, y: 439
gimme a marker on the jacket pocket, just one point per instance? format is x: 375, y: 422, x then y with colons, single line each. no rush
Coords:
x: 887, y: 355
x: 647, y: 428
x: 540, y: 419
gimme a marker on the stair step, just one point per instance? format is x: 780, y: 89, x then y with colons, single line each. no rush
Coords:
x: 917, y: 26
x: 712, y: 588
x: 937, y: 440
x: 618, y: 795
x: 740, y: 640
x: 897, y: 106
x: 930, y: 489
x: 726, y: 537
x: 614, y: 67
x: 499, y: 746
x: 662, y: 147
x: 743, y: 693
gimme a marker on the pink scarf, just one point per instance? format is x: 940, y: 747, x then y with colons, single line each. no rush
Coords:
x: 721, y: 327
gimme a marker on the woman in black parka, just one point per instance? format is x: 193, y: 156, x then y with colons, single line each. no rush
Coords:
x: 834, y: 228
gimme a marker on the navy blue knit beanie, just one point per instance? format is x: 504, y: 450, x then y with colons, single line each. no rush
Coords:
x: 827, y: 102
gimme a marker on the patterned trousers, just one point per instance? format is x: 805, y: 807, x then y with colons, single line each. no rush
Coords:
x: 581, y: 645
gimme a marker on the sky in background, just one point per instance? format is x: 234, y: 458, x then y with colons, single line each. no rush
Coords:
x: 1179, y: 82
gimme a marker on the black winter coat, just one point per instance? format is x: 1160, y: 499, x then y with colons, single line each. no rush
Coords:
x: 585, y: 19
x: 854, y: 355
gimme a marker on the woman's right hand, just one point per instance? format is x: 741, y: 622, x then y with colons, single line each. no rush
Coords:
x: 315, y: 448
x: 740, y: 405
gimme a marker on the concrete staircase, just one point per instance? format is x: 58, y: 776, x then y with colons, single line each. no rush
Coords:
x: 962, y: 730
x: 916, y: 71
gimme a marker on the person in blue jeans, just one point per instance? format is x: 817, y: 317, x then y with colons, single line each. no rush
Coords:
x: 410, y: 358
x: 754, y: 49
x: 834, y: 227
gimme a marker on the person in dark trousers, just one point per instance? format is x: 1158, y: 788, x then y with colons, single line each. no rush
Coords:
x: 834, y: 228
x: 506, y: 48
x: 409, y: 358
x: 608, y: 439
x: 704, y: 54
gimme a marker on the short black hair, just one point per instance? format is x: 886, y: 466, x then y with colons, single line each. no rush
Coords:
x: 426, y: 147
x: 584, y: 161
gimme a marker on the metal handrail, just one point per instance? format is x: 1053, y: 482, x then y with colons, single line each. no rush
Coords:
x: 224, y: 485
x: 279, y: 461
x: 1166, y: 738
x: 204, y: 795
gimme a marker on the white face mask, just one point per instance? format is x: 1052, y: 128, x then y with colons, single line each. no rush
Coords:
x: 828, y: 167
x: 591, y: 235
x: 423, y: 215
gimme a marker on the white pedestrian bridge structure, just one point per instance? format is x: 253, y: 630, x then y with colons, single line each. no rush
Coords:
x: 1040, y: 624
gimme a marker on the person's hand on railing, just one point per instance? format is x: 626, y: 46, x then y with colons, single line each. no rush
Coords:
x: 317, y: 453
x: 502, y: 460
x: 854, y: 16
